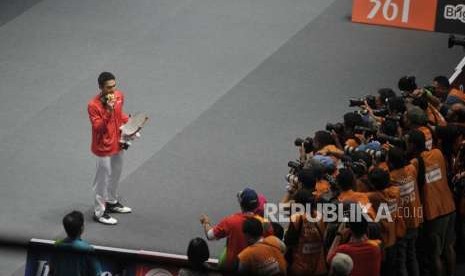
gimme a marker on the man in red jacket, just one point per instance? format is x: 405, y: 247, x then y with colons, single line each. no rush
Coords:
x: 106, y: 116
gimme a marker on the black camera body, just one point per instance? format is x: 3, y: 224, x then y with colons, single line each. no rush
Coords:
x: 337, y: 127
x: 124, y: 145
x: 371, y: 101
x: 307, y: 144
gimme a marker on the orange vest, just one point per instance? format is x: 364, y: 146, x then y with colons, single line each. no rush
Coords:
x: 264, y: 257
x: 428, y: 137
x: 410, y: 205
x: 457, y: 94
x: 322, y: 186
x: 390, y: 230
x: 351, y: 142
x: 309, y: 257
x: 362, y: 198
x: 361, y: 185
x: 437, y: 198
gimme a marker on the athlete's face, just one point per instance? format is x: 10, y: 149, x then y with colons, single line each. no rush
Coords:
x: 109, y: 87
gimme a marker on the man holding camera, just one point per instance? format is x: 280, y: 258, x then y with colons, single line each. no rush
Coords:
x: 106, y: 117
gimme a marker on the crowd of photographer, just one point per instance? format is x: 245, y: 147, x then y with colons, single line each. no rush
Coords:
x: 401, y: 156
x: 403, y: 151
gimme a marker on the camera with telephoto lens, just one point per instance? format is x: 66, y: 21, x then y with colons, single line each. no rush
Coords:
x: 393, y: 140
x: 337, y: 127
x: 295, y: 165
x: 291, y: 178
x: 371, y: 101
x: 378, y: 155
x: 381, y: 112
x: 396, y: 118
x: 367, y: 131
x: 307, y: 143
x: 455, y: 41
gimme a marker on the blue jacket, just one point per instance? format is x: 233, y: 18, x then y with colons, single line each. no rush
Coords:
x: 74, y: 258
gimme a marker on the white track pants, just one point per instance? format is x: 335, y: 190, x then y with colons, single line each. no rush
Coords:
x: 106, y: 181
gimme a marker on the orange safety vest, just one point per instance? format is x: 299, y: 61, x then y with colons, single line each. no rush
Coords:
x: 390, y: 230
x: 437, y: 198
x: 428, y: 137
x: 322, y: 186
x: 361, y: 198
x: 457, y: 93
x: 410, y: 205
x: 309, y: 256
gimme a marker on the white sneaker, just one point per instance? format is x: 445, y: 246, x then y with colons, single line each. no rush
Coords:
x: 117, y: 208
x: 106, y: 219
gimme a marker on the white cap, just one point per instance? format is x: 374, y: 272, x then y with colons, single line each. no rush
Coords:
x: 342, y: 264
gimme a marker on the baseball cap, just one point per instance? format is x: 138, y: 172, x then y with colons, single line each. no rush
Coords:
x: 342, y: 264
x: 247, y: 196
x: 324, y: 160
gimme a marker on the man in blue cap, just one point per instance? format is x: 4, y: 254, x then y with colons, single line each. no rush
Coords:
x: 230, y: 227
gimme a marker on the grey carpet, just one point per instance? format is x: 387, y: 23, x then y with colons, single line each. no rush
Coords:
x: 174, y: 59
x: 228, y: 85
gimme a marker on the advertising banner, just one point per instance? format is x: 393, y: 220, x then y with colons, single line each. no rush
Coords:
x: 412, y: 14
x: 450, y: 16
x: 113, y: 261
x: 447, y: 16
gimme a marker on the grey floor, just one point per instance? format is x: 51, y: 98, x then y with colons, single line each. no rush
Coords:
x: 228, y: 86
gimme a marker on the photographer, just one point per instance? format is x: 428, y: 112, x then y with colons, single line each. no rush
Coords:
x: 361, y: 164
x: 325, y: 145
x: 438, y: 204
x: 407, y: 84
x: 346, y: 183
x: 416, y: 119
x: 420, y: 99
x: 447, y: 93
x: 404, y: 175
x: 299, y: 179
x: 305, y: 240
x: 385, y: 193
x: 351, y: 120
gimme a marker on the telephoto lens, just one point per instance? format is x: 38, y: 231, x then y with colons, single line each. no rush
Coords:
x: 291, y: 179
x: 298, y: 142
x: 295, y: 165
x: 356, y: 102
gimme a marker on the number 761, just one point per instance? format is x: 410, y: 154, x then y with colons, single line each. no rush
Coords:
x: 390, y: 10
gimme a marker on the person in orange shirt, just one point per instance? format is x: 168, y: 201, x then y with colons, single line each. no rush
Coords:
x: 389, y: 196
x: 404, y: 175
x: 262, y: 256
x: 346, y: 182
x: 438, y: 204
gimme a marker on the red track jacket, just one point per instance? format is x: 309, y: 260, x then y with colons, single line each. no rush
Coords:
x: 105, y: 125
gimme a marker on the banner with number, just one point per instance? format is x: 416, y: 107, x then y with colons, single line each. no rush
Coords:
x: 429, y: 15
